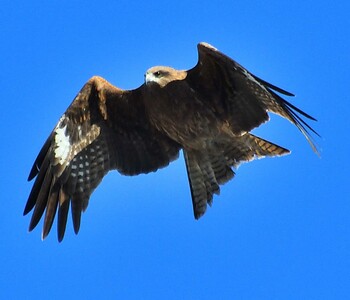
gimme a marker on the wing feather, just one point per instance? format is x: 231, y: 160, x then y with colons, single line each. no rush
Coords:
x: 51, y: 209
x: 63, y: 200
x: 104, y: 128
x: 244, y: 97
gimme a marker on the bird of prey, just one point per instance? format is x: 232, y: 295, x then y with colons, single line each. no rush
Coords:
x: 207, y: 112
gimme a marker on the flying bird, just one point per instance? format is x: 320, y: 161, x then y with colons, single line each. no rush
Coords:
x: 207, y: 112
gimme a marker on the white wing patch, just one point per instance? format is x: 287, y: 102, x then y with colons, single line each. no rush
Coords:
x: 62, y: 144
x: 64, y: 148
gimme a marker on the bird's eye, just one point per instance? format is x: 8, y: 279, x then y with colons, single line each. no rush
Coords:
x: 157, y: 73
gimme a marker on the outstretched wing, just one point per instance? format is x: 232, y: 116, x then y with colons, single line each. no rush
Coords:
x: 241, y: 97
x: 104, y: 128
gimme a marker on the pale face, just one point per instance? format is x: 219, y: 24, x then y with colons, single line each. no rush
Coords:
x: 163, y: 75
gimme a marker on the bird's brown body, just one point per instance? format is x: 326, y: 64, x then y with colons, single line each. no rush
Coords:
x: 197, y: 121
x: 207, y: 111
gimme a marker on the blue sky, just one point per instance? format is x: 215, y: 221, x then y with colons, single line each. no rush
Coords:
x: 279, y: 230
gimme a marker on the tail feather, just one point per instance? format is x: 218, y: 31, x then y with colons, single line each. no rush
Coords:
x: 209, y: 169
x: 249, y: 147
x: 199, y: 190
x: 223, y: 172
x: 205, y: 174
x: 265, y: 148
x: 212, y: 186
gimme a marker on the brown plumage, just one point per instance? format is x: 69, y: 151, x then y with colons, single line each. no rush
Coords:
x: 207, y: 111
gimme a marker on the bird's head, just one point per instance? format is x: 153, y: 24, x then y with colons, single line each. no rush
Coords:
x: 163, y: 75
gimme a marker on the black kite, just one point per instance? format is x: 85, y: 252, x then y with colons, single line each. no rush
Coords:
x: 207, y: 111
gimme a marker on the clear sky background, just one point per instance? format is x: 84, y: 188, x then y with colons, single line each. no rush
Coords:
x: 279, y: 230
